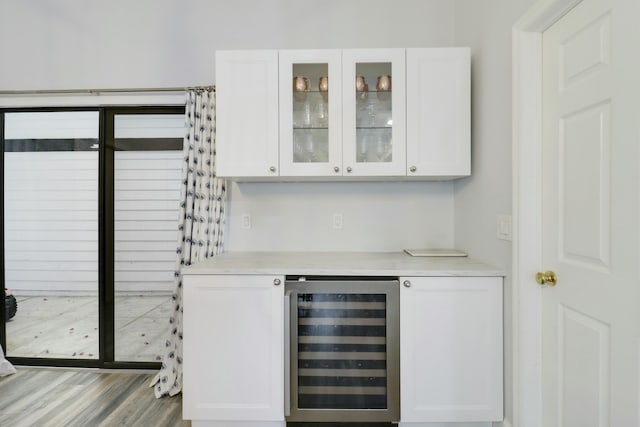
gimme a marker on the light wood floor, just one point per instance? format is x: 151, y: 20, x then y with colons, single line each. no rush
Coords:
x: 81, y: 397
x: 66, y: 327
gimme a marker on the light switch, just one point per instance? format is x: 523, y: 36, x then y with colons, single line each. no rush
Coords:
x: 245, y: 221
x: 504, y: 227
x: 337, y: 221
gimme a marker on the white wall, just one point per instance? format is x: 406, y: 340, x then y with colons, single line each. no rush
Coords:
x: 153, y: 43
x: 486, y: 27
x: 70, y: 44
x: 376, y: 216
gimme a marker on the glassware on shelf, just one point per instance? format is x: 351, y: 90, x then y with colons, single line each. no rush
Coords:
x: 383, y: 87
x: 384, y: 83
x: 366, y: 113
x: 362, y: 143
x: 302, y: 113
x: 362, y: 88
x: 300, y: 88
x: 374, y: 145
x: 306, y: 114
x: 384, y: 146
x: 310, y: 146
x: 321, y: 115
x: 302, y: 146
x: 323, y: 84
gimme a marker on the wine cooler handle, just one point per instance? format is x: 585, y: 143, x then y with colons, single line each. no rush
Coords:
x: 287, y: 354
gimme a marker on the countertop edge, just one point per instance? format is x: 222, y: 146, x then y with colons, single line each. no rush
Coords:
x: 340, y: 264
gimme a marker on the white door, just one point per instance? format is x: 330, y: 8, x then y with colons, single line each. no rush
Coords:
x: 590, y: 319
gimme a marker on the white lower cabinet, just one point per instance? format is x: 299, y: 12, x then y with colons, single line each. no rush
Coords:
x: 233, y: 350
x: 450, y: 350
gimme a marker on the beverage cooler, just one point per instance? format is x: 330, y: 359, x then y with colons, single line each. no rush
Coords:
x: 342, y: 350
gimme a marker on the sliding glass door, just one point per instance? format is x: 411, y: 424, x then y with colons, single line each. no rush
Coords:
x: 90, y: 210
x: 147, y: 162
x: 51, y: 233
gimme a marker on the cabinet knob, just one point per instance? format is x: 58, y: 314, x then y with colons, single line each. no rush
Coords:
x: 276, y: 282
x: 272, y: 168
x: 413, y: 168
x: 407, y: 284
x: 336, y: 169
x: 349, y: 169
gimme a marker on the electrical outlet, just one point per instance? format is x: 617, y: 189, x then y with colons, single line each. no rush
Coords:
x: 504, y: 227
x: 246, y: 221
x: 337, y: 221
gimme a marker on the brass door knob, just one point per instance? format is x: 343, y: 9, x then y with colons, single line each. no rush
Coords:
x: 546, y: 278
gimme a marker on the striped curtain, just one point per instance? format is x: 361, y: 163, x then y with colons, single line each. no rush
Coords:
x: 201, y: 222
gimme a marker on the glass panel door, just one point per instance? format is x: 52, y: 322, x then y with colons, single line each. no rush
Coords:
x: 374, y: 102
x: 310, y: 113
x: 374, y: 113
x: 51, y: 233
x: 342, y: 360
x: 147, y: 167
x: 344, y: 349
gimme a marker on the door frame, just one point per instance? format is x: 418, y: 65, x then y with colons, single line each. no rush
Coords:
x: 527, y: 206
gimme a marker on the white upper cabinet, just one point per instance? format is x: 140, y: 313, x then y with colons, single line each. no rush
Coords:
x: 335, y: 114
x: 373, y: 132
x: 310, y: 113
x: 247, y: 113
x: 438, y: 112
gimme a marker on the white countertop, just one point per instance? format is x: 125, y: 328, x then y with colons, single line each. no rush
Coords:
x: 341, y: 264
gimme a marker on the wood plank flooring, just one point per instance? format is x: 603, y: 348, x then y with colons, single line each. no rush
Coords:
x: 66, y: 327
x: 84, y: 397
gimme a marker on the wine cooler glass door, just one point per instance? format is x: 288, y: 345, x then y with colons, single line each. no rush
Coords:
x: 344, y: 351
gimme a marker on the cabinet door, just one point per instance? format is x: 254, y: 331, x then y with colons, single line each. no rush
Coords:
x: 233, y: 348
x: 247, y: 113
x: 438, y: 112
x: 310, y: 113
x: 373, y: 91
x: 451, y: 349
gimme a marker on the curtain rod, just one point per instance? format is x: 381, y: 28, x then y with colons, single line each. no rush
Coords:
x: 99, y: 91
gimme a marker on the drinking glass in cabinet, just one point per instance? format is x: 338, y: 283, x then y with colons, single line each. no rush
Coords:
x: 374, y: 115
x: 310, y: 146
x: 300, y: 87
x: 374, y: 146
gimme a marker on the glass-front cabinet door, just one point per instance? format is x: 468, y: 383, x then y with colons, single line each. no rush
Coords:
x: 310, y: 113
x: 374, y: 112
